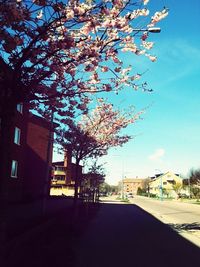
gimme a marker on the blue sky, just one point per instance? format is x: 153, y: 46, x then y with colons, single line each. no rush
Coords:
x: 168, y: 137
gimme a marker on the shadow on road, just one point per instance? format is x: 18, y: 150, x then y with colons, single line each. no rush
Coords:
x: 106, y: 235
x: 186, y: 226
x: 126, y: 235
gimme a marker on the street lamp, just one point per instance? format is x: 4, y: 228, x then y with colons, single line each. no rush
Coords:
x: 153, y: 30
x: 150, y: 29
x: 189, y: 187
x: 161, y: 185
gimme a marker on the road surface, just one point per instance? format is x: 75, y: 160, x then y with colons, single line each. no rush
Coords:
x: 116, y: 235
x: 182, y: 217
x: 125, y: 235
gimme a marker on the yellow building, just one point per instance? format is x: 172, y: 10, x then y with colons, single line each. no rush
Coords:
x: 167, y: 184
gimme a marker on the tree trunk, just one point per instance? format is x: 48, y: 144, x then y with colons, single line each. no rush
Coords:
x: 76, y: 185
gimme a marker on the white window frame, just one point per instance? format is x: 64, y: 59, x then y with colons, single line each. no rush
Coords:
x: 17, y: 136
x: 20, y: 108
x: 14, y: 169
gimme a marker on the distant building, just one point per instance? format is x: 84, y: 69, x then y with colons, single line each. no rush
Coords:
x: 167, y: 183
x: 130, y: 185
x: 63, y: 176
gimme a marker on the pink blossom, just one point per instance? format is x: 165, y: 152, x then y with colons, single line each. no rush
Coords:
x: 104, y: 69
x: 80, y: 10
x: 115, y: 59
x: 39, y: 14
x: 82, y: 106
x: 136, y: 77
x: 94, y: 78
x: 145, y: 2
x: 117, y: 69
x: 69, y: 13
x: 40, y: 2
x: 132, y: 47
x: 158, y: 16
x: 144, y: 36
x: 144, y: 12
x: 152, y: 58
x: 147, y: 45
x: 107, y: 87
x: 90, y: 68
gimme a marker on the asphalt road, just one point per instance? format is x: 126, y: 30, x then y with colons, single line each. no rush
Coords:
x: 112, y: 235
x: 125, y: 235
x: 181, y: 216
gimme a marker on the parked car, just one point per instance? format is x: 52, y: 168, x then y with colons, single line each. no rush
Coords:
x: 130, y: 195
x: 103, y: 194
x: 182, y: 195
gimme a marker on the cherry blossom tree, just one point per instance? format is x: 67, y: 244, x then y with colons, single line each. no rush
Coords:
x: 96, y: 133
x: 56, y: 52
x: 92, y: 180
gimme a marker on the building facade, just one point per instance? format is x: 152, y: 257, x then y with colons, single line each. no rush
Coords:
x: 17, y: 153
x: 39, y: 149
x: 130, y: 185
x: 30, y: 155
x: 63, y: 176
x: 167, y: 184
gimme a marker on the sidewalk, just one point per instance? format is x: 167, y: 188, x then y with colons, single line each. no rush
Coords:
x: 24, y: 217
x: 30, y: 233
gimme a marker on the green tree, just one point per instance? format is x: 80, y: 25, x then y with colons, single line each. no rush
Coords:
x: 141, y: 191
x: 92, y: 181
x: 194, y: 177
x: 194, y: 183
x: 177, y: 187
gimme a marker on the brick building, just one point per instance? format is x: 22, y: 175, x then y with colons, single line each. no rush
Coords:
x: 132, y: 185
x: 63, y: 175
x: 30, y: 156
x: 14, y: 190
x: 39, y: 148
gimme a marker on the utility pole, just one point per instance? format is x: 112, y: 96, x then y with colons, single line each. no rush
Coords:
x: 189, y: 187
x: 161, y: 185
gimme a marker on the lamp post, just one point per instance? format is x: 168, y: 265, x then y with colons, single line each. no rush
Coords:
x: 150, y: 29
x: 189, y: 187
x: 161, y: 185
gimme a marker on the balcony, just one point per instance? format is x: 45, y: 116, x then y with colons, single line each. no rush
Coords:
x: 59, y: 170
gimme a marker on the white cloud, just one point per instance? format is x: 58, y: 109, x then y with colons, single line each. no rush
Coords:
x: 157, y: 155
x: 178, y: 52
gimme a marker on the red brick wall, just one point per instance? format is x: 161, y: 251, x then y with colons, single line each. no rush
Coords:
x: 36, y: 158
x: 37, y: 139
x: 17, y: 152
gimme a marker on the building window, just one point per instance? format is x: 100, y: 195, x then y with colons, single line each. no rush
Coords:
x: 17, y: 136
x: 171, y: 182
x: 20, y: 107
x: 14, y: 169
